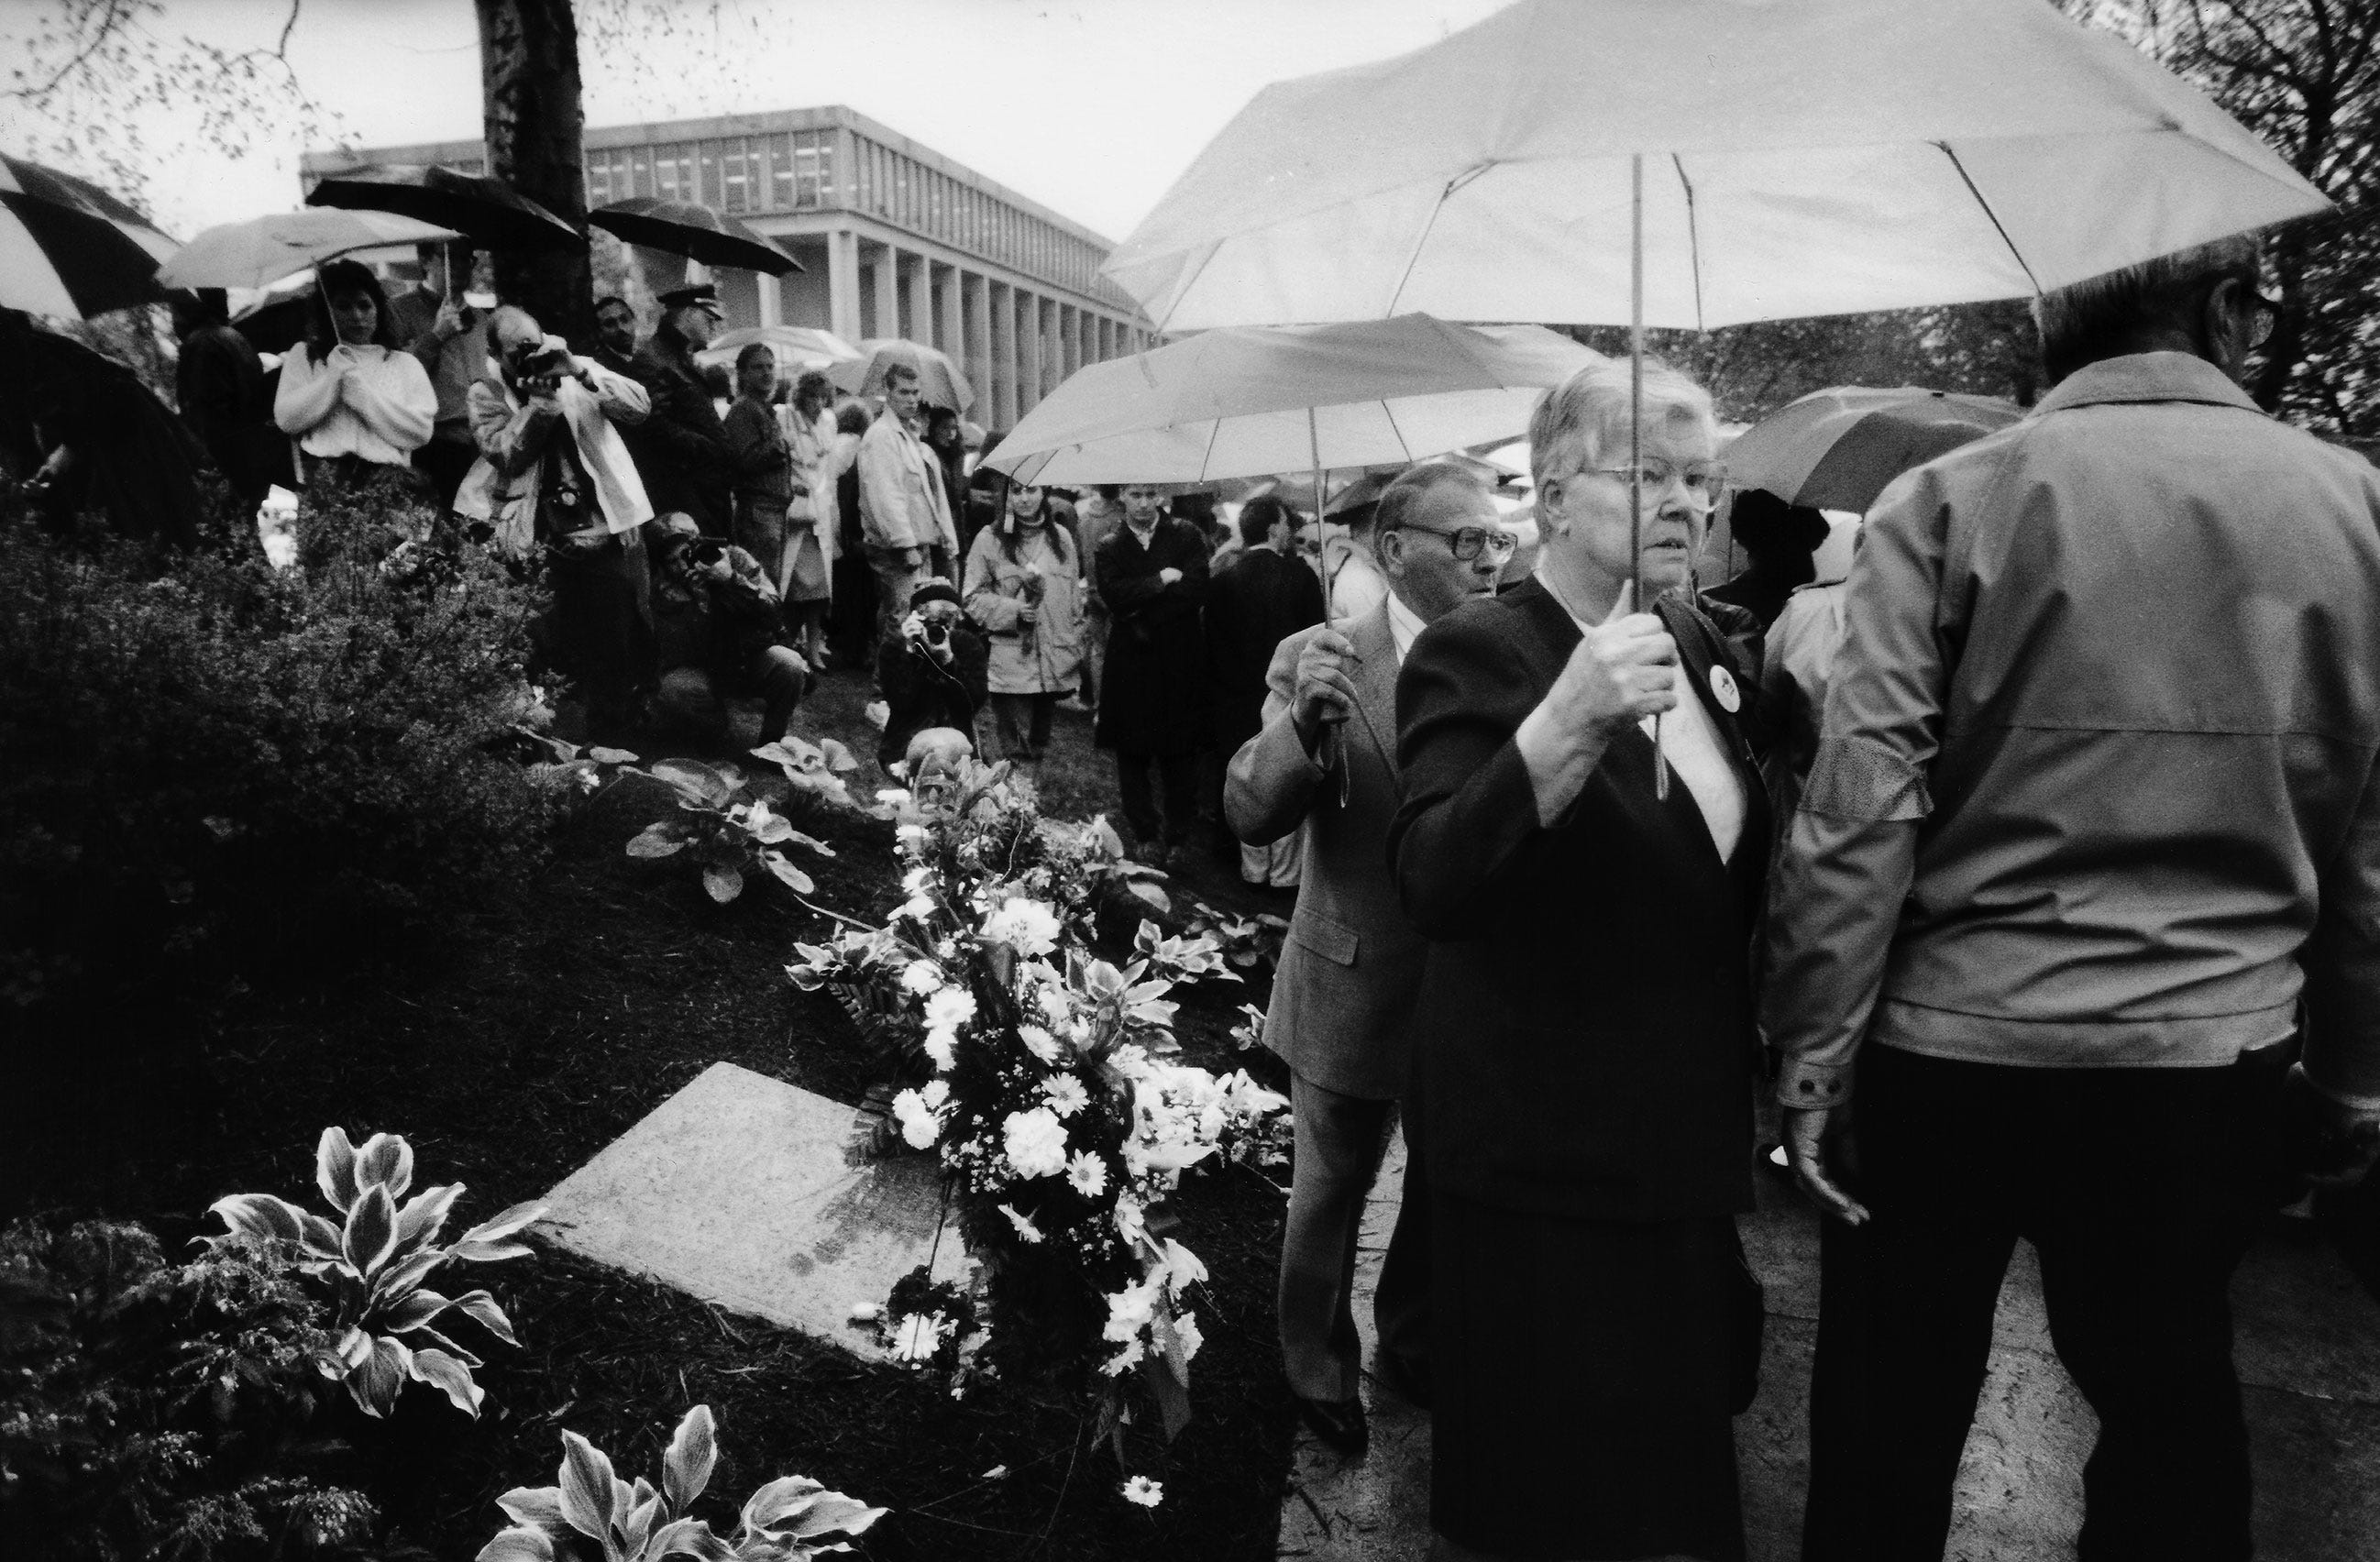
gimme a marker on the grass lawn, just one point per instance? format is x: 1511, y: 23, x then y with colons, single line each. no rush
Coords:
x: 518, y: 1044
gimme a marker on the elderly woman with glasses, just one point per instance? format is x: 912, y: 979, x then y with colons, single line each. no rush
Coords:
x: 1581, y: 843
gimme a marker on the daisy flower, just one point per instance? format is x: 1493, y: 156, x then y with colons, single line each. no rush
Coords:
x: 1142, y: 1489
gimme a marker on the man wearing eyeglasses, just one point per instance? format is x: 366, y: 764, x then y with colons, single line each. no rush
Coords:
x: 1323, y: 765
x: 2084, y: 889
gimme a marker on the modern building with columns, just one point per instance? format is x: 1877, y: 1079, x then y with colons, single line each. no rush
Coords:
x: 896, y: 239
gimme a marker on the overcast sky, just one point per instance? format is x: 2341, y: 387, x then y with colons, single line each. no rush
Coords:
x: 1092, y: 108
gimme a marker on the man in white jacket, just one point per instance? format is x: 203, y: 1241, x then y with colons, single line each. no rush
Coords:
x: 554, y: 473
x: 902, y: 515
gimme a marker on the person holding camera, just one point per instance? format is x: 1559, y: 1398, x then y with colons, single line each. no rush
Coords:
x: 720, y: 632
x: 902, y: 510
x: 553, y: 475
x: 933, y: 672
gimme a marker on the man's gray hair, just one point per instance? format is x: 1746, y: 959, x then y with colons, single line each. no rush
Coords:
x: 2101, y: 316
x: 1402, y: 498
x: 1584, y: 422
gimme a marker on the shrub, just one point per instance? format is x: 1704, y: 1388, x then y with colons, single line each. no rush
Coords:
x: 158, y: 1411
x: 376, y: 1263
x: 228, y: 757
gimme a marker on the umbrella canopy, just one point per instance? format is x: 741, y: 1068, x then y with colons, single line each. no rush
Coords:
x: 262, y: 251
x: 945, y: 385
x: 1800, y: 157
x: 1251, y: 400
x: 798, y: 347
x: 68, y: 247
x: 487, y: 210
x: 1839, y: 449
x: 681, y: 227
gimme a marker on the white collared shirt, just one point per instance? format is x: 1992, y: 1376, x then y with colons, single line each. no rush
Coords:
x: 1403, y: 625
x: 1690, y: 742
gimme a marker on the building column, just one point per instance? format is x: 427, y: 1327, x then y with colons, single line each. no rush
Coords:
x: 1053, y: 347
x: 1029, y: 351
x: 975, y: 319
x: 888, y: 291
x: 772, y: 302
x: 843, y: 283
x: 919, y: 286
x: 1000, y: 315
x: 950, y: 324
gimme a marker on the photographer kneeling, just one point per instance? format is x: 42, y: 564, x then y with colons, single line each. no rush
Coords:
x: 721, y: 634
x: 553, y: 475
x: 933, y: 671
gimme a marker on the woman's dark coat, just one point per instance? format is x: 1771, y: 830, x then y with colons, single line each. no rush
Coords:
x: 1153, y: 689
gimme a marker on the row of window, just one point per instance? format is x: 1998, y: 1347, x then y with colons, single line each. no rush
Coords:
x: 925, y: 200
x: 791, y: 171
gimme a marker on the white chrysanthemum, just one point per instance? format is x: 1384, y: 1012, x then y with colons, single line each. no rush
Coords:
x: 1040, y: 1043
x: 1087, y: 1173
x: 914, y: 881
x: 1124, y: 1360
x: 1024, y: 1229
x: 935, y: 1092
x: 917, y: 908
x: 922, y: 977
x: 919, y: 1126
x: 1129, y: 1311
x: 909, y: 834
x: 943, y: 1046
x: 1065, y: 1093
x: 1036, y: 1143
x: 1055, y: 1006
x: 1144, y: 1491
x: 949, y: 1009
x: 1186, y: 1328
x: 1026, y: 926
x: 919, y: 1336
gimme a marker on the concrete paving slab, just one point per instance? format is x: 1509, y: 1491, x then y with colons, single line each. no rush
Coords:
x: 736, y: 1190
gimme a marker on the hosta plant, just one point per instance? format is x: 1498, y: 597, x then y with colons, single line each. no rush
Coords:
x: 814, y: 768
x: 569, y: 772
x: 375, y: 1259
x: 723, y: 832
x: 593, y: 1516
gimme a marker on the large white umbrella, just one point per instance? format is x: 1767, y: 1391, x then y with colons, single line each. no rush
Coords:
x: 1245, y: 401
x: 262, y: 251
x: 1799, y: 157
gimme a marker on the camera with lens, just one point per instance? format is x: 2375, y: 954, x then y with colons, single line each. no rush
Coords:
x: 705, y: 552
x: 937, y: 633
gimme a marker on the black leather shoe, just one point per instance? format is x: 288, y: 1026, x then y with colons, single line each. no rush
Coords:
x: 1405, y: 1376
x: 1339, y: 1423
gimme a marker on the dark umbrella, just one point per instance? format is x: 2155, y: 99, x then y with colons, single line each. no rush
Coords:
x: 68, y: 247
x: 681, y: 227
x: 1839, y: 449
x: 488, y: 210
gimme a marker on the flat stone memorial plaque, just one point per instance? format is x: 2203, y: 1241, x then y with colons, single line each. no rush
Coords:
x: 736, y: 1190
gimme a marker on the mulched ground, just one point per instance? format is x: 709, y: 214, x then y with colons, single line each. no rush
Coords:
x: 519, y: 1045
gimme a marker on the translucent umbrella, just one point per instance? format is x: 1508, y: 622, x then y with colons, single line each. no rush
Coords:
x: 262, y: 251
x: 945, y: 384
x: 1837, y: 449
x: 797, y: 347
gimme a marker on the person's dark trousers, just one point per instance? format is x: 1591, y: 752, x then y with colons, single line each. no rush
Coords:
x: 2139, y: 1188
x: 1340, y: 1141
x: 603, y: 603
x: 446, y: 460
x: 1179, y: 773
x: 1021, y: 722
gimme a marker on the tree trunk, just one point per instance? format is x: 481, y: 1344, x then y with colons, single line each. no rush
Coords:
x: 529, y: 71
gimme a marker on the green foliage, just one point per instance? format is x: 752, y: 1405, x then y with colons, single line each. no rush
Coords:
x: 150, y: 1411
x: 723, y: 832
x: 375, y: 1262
x: 591, y: 1513
x: 231, y: 760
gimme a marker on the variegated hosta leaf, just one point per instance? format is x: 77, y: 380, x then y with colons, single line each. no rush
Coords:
x: 685, y: 1466
x: 377, y: 1383
x: 517, y: 1544
x: 823, y: 1513
x: 688, y: 1537
x: 424, y: 1216
x: 481, y: 1307
x: 488, y: 1242
x: 537, y: 1508
x: 412, y: 1311
x: 335, y: 1167
x: 425, y: 1338
x: 638, y: 1526
x: 386, y: 1160
x: 838, y: 757
x: 698, y: 783
x: 319, y: 1237
x: 402, y: 1275
x: 586, y: 1487
x: 261, y: 1216
x: 781, y: 1497
x: 371, y: 1235
x: 663, y: 840
x: 447, y: 1374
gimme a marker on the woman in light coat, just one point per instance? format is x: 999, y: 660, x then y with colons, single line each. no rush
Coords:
x: 357, y: 407
x: 1025, y: 587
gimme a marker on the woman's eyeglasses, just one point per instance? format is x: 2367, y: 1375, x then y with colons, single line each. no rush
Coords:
x: 1701, y: 480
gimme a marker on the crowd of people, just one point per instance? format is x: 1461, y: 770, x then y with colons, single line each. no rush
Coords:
x: 2055, y: 827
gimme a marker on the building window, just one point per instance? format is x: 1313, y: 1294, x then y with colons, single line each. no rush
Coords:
x: 734, y: 189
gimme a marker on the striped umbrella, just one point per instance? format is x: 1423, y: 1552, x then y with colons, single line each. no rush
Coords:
x: 68, y: 247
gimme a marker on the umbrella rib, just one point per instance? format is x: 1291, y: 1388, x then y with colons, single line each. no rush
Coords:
x: 1693, y: 239
x: 1997, y: 226
x: 1396, y: 294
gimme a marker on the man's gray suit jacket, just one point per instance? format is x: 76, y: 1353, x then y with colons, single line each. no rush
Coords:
x: 1350, y: 967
